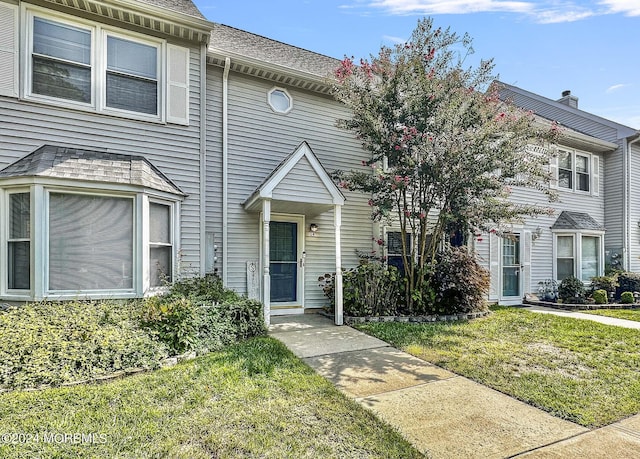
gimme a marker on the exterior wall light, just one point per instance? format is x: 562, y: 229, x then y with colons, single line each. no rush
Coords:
x: 313, y: 229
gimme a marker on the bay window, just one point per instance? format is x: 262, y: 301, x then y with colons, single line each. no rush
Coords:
x: 160, y: 244
x: 90, y: 242
x: 578, y: 255
x: 19, y: 242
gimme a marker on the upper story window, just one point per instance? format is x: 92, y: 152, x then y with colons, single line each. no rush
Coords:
x: 280, y: 100
x: 576, y: 171
x: 88, y: 66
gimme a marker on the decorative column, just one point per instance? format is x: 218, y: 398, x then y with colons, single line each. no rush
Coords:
x: 337, y: 223
x: 266, y: 276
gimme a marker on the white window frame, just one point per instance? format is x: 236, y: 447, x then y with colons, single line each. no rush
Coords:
x: 99, y: 35
x: 5, y: 238
x: 148, y: 244
x: 40, y: 190
x: 286, y: 93
x: 577, y: 251
x: 45, y: 224
x: 592, y: 163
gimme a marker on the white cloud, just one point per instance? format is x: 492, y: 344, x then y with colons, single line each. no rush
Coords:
x: 396, y: 40
x: 615, y: 87
x: 451, y: 7
x: 543, y: 11
x: 627, y: 7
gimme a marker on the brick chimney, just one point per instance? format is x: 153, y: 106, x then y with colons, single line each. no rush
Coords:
x: 568, y: 99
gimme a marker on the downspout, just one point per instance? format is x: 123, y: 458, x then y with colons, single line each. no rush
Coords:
x: 203, y: 157
x: 225, y: 168
x: 627, y: 201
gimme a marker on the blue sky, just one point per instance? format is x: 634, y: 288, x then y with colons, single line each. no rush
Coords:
x: 547, y: 46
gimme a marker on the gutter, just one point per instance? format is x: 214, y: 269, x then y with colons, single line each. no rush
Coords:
x: 203, y: 158
x: 225, y: 168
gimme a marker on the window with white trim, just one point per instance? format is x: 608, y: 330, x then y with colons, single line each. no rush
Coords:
x: 280, y: 100
x: 160, y: 244
x: 578, y: 255
x: 89, y: 66
x: 577, y: 171
x: 19, y: 241
x: 92, y: 243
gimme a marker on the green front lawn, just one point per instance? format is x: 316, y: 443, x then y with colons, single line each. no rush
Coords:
x: 628, y: 314
x: 578, y: 370
x: 253, y: 399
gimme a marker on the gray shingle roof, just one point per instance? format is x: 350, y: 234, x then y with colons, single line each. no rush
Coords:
x: 236, y: 41
x: 90, y: 165
x: 179, y: 6
x: 576, y: 221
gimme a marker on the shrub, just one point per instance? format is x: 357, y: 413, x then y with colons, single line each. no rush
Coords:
x: 199, y: 314
x: 571, y: 290
x: 371, y: 289
x: 55, y: 342
x: 459, y: 282
x: 628, y: 282
x: 600, y: 296
x: 627, y: 298
x: 606, y: 283
x: 173, y: 320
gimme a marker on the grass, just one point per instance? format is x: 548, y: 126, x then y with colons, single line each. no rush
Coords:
x: 579, y: 370
x: 253, y: 399
x: 628, y: 314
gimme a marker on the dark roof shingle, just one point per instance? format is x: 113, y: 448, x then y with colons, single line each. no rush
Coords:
x: 179, y: 6
x: 90, y: 165
x: 576, y: 221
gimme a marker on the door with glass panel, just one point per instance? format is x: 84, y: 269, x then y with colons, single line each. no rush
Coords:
x: 285, y: 264
x: 511, y: 267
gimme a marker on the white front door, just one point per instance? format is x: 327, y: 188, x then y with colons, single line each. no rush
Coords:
x: 286, y: 267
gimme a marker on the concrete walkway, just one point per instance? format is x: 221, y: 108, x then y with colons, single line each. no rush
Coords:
x: 581, y: 315
x: 442, y: 414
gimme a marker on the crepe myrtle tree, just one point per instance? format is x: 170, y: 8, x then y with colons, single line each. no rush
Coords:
x: 446, y: 152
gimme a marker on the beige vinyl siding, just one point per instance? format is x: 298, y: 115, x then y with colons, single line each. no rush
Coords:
x: 259, y: 139
x: 25, y: 126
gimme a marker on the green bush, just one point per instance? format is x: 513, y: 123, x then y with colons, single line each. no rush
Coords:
x: 627, y: 298
x: 600, y: 296
x: 460, y: 283
x: 199, y: 314
x: 371, y: 289
x: 628, y: 282
x: 606, y: 283
x: 571, y: 290
x: 55, y: 342
x: 173, y: 320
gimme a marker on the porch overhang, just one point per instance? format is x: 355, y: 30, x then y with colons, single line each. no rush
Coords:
x: 298, y: 185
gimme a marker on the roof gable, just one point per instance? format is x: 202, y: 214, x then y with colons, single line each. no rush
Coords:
x: 90, y: 165
x: 300, y: 177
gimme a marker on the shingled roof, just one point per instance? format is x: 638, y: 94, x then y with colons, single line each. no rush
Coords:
x: 90, y: 165
x: 179, y: 6
x: 576, y: 221
x: 238, y: 42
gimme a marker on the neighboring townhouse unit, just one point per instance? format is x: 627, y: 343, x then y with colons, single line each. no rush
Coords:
x: 101, y: 146
x: 593, y: 225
